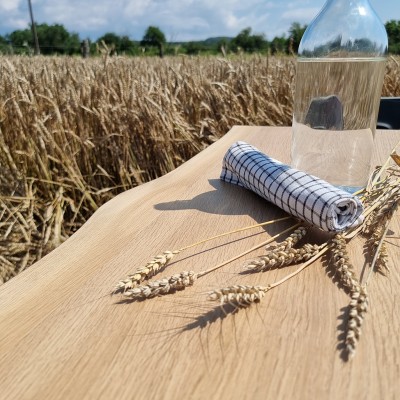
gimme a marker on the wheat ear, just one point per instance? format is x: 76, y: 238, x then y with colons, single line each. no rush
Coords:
x: 358, y: 308
x: 380, y: 259
x: 281, y: 258
x: 239, y: 295
x: 162, y: 286
x: 342, y: 263
x: 143, y: 273
x: 290, y: 241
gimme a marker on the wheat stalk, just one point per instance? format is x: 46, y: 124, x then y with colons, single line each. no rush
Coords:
x: 377, y: 247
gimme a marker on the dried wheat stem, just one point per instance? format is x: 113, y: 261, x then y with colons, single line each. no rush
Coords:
x: 358, y: 308
x: 373, y: 243
x: 388, y: 205
x: 162, y: 286
x: 385, y: 165
x: 378, y: 254
x: 379, y: 201
x: 382, y: 262
x: 239, y: 295
x: 235, y: 231
x: 270, y: 240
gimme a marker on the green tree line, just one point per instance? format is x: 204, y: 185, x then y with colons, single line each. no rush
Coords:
x: 56, y: 39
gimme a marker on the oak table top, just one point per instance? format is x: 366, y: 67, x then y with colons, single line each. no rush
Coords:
x: 63, y: 337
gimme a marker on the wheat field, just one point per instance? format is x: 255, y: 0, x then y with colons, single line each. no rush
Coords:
x: 74, y: 133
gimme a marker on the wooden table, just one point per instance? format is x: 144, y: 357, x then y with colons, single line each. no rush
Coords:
x: 62, y: 336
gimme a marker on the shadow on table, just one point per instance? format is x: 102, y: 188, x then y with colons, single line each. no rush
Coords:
x: 227, y: 199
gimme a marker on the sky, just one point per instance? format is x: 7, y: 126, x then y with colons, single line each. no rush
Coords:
x: 180, y: 20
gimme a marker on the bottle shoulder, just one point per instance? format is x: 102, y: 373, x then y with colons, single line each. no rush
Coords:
x: 353, y: 29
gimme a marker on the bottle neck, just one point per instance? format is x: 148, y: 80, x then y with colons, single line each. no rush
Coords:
x: 344, y: 8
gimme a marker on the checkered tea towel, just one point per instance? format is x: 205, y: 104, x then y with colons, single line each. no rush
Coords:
x: 300, y: 194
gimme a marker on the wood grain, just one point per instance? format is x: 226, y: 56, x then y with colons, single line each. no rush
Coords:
x: 63, y: 337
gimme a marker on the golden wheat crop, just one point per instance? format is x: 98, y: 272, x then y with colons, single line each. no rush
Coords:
x: 74, y: 133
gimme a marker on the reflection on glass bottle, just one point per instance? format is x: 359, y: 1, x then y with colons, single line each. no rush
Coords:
x: 340, y: 73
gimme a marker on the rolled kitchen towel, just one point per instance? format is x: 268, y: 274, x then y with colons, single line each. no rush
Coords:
x: 298, y: 193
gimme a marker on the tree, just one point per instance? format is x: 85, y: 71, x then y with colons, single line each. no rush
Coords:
x: 53, y: 39
x: 128, y: 46
x: 118, y: 44
x: 20, y: 40
x: 154, y: 37
x: 296, y: 32
x: 393, y: 31
x: 248, y: 42
x: 279, y: 45
x: 112, y: 41
x: 194, y: 48
x: 3, y: 45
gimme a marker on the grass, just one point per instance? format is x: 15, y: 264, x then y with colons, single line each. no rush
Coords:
x: 74, y: 133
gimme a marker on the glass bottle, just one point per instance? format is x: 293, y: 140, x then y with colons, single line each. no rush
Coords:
x: 340, y: 71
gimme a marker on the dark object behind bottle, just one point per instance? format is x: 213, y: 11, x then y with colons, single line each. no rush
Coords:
x: 325, y: 113
x: 389, y: 113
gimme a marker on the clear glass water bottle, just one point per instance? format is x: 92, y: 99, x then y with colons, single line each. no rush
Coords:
x: 340, y: 71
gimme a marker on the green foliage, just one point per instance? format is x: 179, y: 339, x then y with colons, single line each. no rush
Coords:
x: 119, y: 44
x: 154, y: 37
x: 53, y: 39
x: 128, y: 46
x: 393, y: 31
x: 194, y: 48
x: 21, y: 41
x: 279, y: 45
x: 4, y: 47
x: 249, y: 43
x: 296, y: 32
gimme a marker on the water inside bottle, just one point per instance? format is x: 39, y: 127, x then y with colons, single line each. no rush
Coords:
x: 335, y: 112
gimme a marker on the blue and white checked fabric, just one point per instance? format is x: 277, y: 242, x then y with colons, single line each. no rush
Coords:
x: 301, y: 195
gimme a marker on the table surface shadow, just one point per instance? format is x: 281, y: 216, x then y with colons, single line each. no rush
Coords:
x: 62, y: 336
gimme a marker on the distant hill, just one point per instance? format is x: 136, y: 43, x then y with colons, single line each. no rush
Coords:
x: 215, y: 40
x: 207, y: 42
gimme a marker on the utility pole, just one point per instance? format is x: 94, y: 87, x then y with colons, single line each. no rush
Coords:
x: 33, y: 26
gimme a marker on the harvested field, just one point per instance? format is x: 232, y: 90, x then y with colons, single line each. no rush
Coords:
x: 74, y: 133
